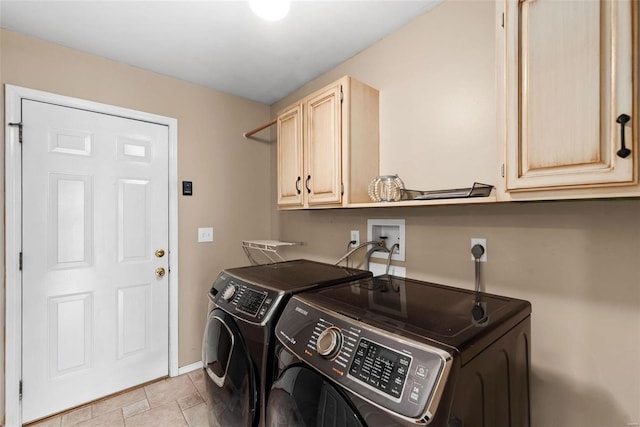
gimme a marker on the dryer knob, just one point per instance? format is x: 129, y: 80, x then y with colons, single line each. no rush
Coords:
x: 229, y: 292
x: 329, y: 342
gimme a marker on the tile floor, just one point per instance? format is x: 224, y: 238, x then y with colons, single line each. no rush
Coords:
x: 173, y: 402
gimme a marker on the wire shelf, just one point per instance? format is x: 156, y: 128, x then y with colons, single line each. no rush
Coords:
x: 267, y: 249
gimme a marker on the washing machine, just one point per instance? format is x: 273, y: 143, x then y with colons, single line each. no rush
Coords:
x: 390, y: 351
x: 237, y: 351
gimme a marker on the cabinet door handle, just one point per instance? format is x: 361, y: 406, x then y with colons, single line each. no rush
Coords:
x: 298, y: 185
x: 623, y: 151
x: 306, y: 184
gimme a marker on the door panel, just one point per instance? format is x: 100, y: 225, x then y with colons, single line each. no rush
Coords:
x: 134, y: 232
x: 134, y: 319
x: 95, y: 208
x: 70, y: 333
x: 70, y: 221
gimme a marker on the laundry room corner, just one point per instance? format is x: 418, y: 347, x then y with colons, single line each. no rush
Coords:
x: 211, y: 150
x: 574, y: 260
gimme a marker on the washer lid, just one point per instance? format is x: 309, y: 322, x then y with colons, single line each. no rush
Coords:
x: 421, y: 309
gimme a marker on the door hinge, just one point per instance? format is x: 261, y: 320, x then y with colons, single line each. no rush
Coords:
x: 502, y: 19
x: 502, y: 170
x: 20, y: 261
x: 19, y: 126
x: 20, y: 390
x: 341, y: 95
x: 342, y: 189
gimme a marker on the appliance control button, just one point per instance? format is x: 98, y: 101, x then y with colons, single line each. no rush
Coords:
x: 395, y: 391
x: 421, y: 371
x: 329, y: 342
x: 416, y: 391
x: 229, y: 292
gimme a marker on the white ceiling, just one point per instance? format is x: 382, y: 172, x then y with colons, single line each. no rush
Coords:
x: 218, y: 44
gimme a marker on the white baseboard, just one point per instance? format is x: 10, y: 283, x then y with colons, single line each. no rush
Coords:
x: 189, y: 368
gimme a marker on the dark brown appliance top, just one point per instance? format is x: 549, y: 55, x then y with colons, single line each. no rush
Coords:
x: 297, y: 275
x: 421, y: 309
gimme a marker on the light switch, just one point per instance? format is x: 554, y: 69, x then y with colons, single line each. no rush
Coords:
x: 205, y: 234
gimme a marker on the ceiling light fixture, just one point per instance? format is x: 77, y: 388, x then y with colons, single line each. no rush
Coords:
x: 271, y: 10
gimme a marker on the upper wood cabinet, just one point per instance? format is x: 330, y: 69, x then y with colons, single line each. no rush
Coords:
x: 569, y: 86
x: 290, y: 161
x: 328, y: 147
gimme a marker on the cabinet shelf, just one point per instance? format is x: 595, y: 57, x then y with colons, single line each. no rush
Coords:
x: 433, y: 202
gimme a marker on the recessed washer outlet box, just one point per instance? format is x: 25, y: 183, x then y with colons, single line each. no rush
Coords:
x: 392, y: 230
x: 379, y: 269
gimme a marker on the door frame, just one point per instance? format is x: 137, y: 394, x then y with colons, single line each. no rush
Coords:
x: 13, y: 230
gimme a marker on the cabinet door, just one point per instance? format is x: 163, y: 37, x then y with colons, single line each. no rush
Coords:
x: 323, y: 179
x: 290, y: 155
x: 572, y: 61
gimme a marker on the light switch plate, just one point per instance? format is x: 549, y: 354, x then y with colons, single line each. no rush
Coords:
x: 205, y: 234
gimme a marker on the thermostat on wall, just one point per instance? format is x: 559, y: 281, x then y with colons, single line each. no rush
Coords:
x: 187, y: 188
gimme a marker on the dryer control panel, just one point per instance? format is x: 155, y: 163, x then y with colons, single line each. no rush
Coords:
x: 405, y: 377
x: 244, y: 300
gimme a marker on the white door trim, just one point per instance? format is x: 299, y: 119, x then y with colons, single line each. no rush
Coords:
x: 13, y: 227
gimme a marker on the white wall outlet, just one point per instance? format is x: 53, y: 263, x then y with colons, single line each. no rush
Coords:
x: 483, y: 243
x: 354, y: 237
x: 205, y: 234
x: 392, y: 232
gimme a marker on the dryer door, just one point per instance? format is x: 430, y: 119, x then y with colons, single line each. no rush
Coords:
x: 303, y: 398
x: 230, y: 375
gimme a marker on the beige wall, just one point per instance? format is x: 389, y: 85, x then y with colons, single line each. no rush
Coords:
x: 577, y: 262
x: 229, y: 174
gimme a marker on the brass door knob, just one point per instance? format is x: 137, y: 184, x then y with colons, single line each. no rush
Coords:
x: 160, y: 253
x: 159, y: 271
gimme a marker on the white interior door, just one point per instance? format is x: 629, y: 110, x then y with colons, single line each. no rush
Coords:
x: 95, y: 214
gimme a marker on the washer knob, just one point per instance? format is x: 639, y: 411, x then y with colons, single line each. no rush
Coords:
x: 329, y: 342
x: 229, y: 292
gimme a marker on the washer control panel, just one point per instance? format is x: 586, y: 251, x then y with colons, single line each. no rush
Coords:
x: 244, y: 300
x: 405, y: 377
